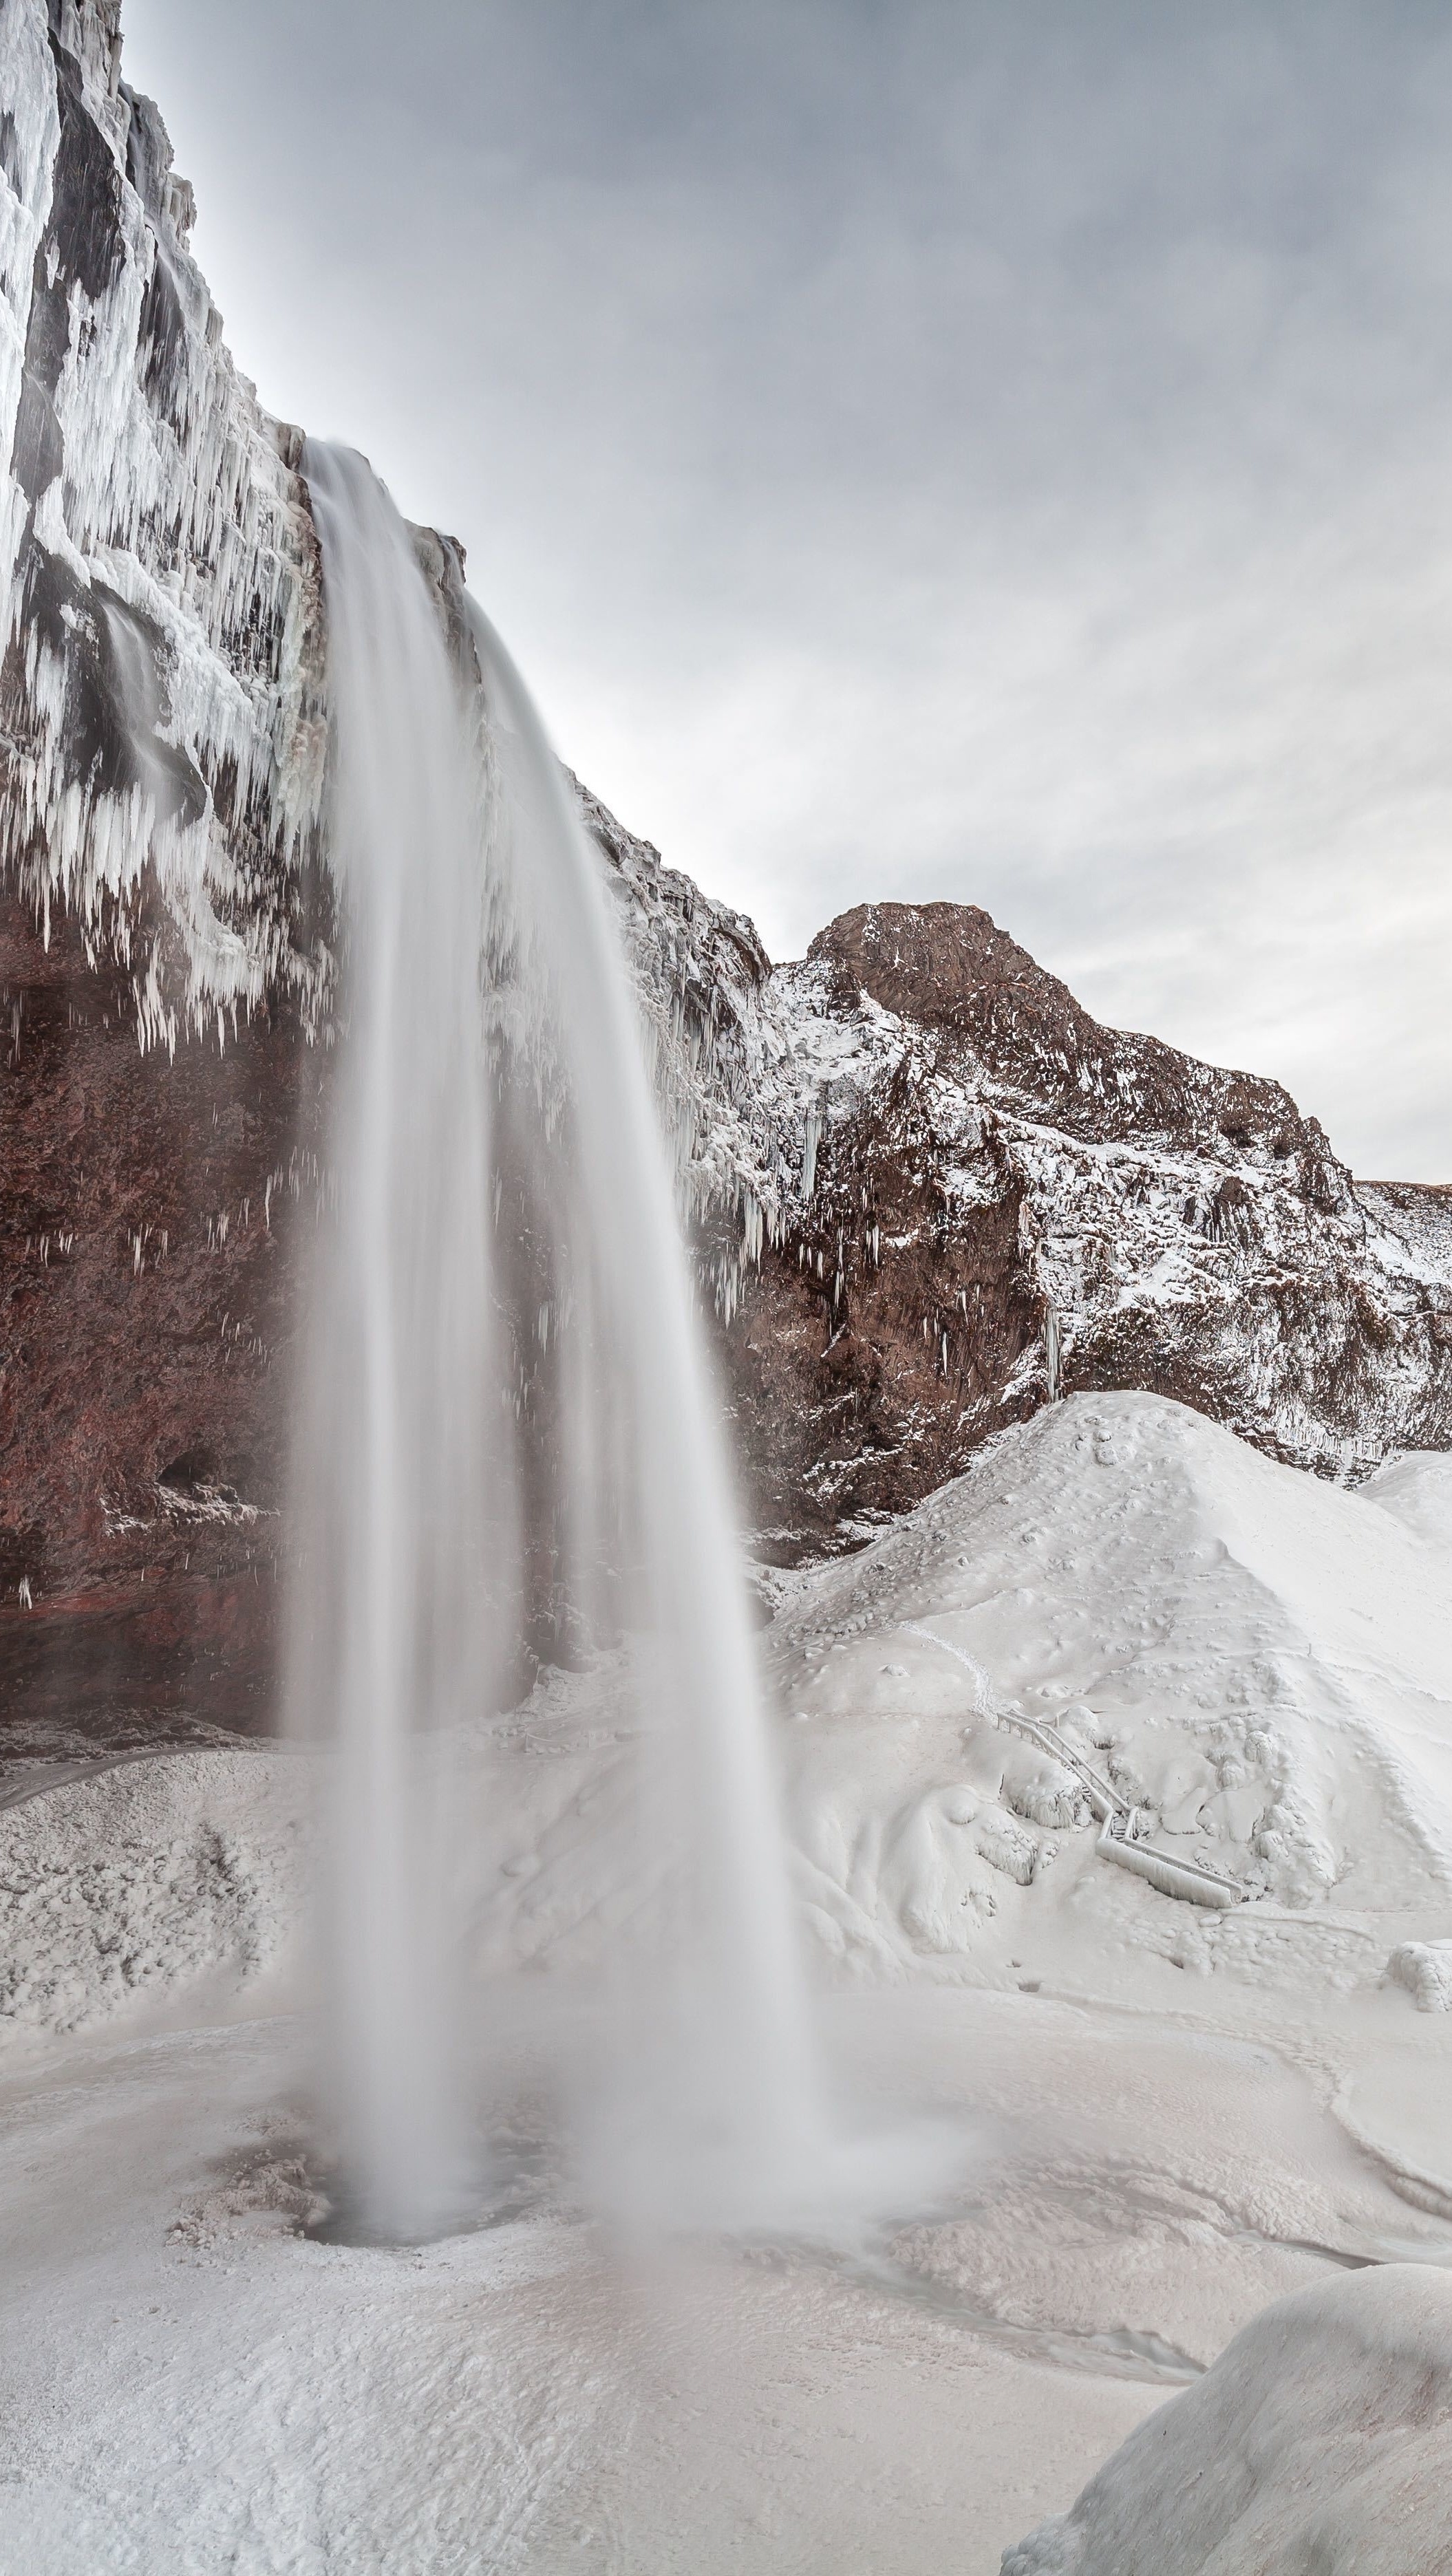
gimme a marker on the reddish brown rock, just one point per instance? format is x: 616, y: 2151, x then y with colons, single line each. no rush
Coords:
x: 1006, y: 1201
x: 870, y: 1351
x: 149, y: 1211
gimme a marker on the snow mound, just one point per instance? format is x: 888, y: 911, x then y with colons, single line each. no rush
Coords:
x: 1118, y: 1592
x: 1318, y: 2440
x: 135, y: 1884
x: 1258, y: 1661
x: 1416, y: 1488
x: 1425, y: 1969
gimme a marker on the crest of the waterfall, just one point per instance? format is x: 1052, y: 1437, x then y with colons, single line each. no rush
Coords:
x: 489, y: 1029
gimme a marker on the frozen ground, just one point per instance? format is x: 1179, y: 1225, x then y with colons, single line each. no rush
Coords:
x: 1159, y: 2117
x: 187, y: 2382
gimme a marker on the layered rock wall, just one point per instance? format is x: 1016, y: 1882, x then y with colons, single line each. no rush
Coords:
x: 164, y: 950
x: 932, y: 1193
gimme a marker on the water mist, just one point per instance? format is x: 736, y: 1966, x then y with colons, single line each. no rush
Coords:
x: 473, y: 905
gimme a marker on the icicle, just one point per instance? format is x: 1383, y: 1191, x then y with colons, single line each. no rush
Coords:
x: 811, y: 1137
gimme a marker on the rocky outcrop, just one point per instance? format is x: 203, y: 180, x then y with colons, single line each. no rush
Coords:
x: 931, y: 1194
x: 927, y: 1192
x: 1011, y: 1202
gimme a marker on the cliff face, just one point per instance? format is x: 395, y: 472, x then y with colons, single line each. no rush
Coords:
x: 148, y: 1210
x: 163, y: 955
x: 933, y: 1193
x: 1010, y: 1202
x: 159, y: 579
x: 927, y: 1191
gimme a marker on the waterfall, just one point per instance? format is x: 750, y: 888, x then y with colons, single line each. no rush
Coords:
x: 388, y: 1623
x: 488, y: 1024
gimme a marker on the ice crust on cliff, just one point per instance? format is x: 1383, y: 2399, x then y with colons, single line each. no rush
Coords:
x: 1175, y: 1223
x: 159, y: 606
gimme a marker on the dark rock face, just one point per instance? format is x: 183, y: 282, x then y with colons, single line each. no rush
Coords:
x: 948, y: 968
x: 862, y: 1383
x: 149, y: 1216
x: 164, y: 924
x: 927, y: 1191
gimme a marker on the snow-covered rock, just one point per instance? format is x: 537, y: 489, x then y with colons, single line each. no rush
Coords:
x: 145, y: 1880
x: 1425, y: 1969
x: 1318, y: 2440
x: 958, y: 1197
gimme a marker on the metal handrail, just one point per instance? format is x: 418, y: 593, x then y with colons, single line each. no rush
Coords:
x: 1122, y: 1837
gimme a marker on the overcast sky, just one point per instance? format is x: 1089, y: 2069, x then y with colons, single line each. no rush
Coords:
x: 921, y: 449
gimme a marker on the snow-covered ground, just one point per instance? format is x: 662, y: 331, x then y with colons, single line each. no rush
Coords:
x: 1154, y: 2117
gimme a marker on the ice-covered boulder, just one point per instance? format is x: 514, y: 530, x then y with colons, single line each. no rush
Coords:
x: 1319, y: 2441
x: 1425, y: 1969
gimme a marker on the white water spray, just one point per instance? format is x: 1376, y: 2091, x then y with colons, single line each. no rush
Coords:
x: 473, y: 900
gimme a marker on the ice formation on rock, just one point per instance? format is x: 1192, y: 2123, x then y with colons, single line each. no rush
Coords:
x: 940, y: 1195
x: 158, y: 569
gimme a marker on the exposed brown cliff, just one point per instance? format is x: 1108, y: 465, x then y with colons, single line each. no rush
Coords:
x: 150, y: 1206
x: 1007, y: 1201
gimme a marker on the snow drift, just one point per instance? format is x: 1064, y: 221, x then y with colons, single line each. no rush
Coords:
x: 1258, y: 1662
